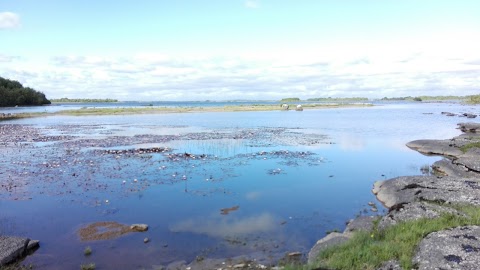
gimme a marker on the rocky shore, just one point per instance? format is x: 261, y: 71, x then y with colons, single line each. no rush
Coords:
x: 455, y: 181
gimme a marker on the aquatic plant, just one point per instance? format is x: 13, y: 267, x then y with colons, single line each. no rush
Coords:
x: 87, y: 251
x: 90, y: 266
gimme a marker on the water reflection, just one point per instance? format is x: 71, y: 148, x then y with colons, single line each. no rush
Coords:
x: 227, y: 225
x: 349, y: 142
x: 324, y: 162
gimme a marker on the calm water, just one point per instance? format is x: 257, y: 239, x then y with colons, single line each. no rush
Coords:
x: 293, y: 176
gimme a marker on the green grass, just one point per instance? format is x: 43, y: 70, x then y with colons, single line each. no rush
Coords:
x: 368, y: 250
x: 474, y: 99
x: 467, y: 147
x: 90, y: 266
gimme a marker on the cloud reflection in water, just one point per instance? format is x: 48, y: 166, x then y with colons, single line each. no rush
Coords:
x: 226, y: 226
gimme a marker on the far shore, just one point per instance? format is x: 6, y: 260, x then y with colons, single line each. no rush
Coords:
x: 193, y: 109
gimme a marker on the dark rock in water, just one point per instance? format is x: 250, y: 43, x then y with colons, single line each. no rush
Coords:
x: 414, y: 211
x: 408, y: 189
x: 14, y: 248
x: 390, y: 265
x: 360, y: 224
x: 469, y: 127
x: 330, y: 240
x: 457, y: 248
x: 33, y: 245
x: 469, y: 115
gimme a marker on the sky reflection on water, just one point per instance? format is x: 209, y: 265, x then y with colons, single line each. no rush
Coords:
x: 307, y: 172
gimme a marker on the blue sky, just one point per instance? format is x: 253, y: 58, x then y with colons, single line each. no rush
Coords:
x: 241, y: 49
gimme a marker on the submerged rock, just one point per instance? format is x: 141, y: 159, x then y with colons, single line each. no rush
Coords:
x: 457, y: 248
x: 139, y: 227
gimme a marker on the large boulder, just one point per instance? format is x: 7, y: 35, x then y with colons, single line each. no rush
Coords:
x: 457, y: 248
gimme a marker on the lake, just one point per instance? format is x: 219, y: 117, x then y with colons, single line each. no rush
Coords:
x: 208, y: 184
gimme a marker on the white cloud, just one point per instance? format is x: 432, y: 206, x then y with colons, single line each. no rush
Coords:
x: 9, y: 20
x: 223, y: 226
x: 263, y: 75
x: 252, y: 4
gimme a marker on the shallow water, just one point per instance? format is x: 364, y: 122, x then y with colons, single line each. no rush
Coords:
x: 293, y: 176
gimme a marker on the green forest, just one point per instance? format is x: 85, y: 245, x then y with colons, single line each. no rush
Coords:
x: 12, y: 93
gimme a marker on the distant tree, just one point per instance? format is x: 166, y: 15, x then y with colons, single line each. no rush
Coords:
x: 292, y: 99
x: 13, y: 93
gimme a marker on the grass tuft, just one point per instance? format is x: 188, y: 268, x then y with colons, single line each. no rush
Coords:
x: 90, y: 266
x: 87, y: 251
x: 467, y: 147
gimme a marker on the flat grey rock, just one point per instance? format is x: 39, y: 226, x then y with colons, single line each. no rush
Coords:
x: 469, y: 127
x: 330, y: 240
x: 470, y: 160
x: 363, y: 223
x: 457, y: 248
x: 436, y: 147
x: 12, y: 248
x: 446, y: 189
x: 414, y: 211
x: 446, y: 167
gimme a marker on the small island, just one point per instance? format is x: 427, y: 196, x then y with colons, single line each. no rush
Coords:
x: 83, y: 100
x: 13, y: 93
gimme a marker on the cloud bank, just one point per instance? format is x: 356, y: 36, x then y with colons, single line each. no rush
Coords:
x: 9, y: 20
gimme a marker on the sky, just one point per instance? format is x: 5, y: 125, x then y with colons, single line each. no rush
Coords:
x: 241, y: 49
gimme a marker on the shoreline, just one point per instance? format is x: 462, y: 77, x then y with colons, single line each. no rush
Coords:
x: 451, y: 194
x: 164, y: 110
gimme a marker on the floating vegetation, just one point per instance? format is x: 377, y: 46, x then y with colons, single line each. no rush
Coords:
x: 104, y: 230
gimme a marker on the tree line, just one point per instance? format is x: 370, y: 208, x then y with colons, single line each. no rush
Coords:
x: 12, y: 93
x: 83, y: 100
